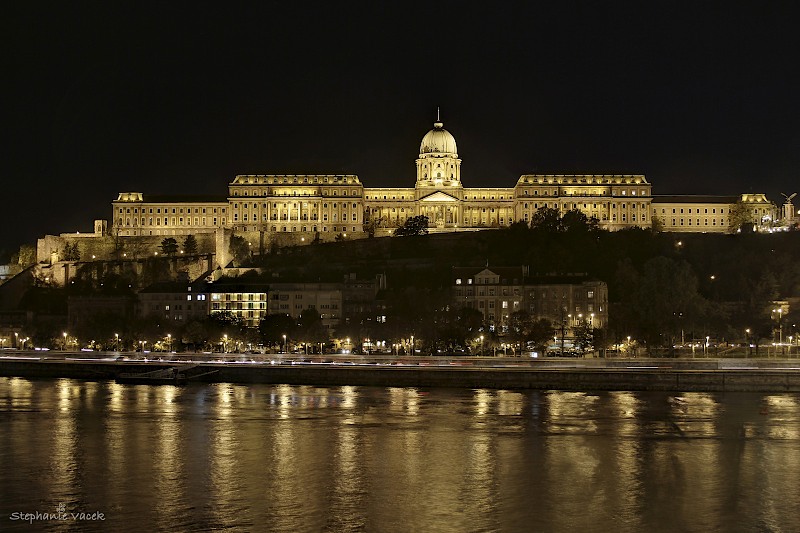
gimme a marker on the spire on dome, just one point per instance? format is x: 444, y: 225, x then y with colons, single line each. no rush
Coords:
x: 438, y: 124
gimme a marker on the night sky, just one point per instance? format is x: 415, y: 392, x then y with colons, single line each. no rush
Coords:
x: 169, y: 98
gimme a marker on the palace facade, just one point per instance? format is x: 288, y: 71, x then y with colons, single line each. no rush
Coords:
x: 325, y: 206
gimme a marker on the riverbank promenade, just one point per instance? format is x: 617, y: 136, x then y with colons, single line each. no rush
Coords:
x: 639, y: 374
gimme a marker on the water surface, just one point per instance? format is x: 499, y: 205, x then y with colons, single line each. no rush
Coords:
x: 303, y: 458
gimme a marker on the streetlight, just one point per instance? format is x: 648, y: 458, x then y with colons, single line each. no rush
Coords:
x: 780, y: 326
x: 116, y: 342
x: 284, y: 343
x: 413, y: 351
x: 64, y: 346
x: 481, y: 345
x: 747, y: 338
x: 225, y: 343
x: 16, y: 339
x: 169, y: 341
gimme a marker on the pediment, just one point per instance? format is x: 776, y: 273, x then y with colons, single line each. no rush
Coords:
x: 438, y: 196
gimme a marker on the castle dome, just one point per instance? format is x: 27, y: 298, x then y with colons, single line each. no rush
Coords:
x: 438, y: 141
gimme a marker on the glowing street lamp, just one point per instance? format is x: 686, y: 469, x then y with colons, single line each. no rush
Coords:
x: 747, y: 339
x: 481, y: 345
x: 116, y: 342
x: 64, y: 346
x: 284, y: 343
x: 169, y: 341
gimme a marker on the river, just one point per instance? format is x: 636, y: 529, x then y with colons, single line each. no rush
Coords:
x: 99, y: 456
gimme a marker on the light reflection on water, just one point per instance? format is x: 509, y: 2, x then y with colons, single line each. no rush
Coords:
x: 303, y: 458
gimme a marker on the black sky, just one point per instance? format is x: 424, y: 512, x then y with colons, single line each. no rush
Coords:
x: 701, y: 97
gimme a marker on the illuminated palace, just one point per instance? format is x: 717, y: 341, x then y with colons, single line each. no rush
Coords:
x: 294, y: 206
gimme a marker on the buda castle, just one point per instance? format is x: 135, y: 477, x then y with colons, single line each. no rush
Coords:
x: 297, y: 208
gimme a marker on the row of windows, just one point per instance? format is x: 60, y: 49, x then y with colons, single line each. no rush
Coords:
x: 596, y: 192
x: 236, y: 296
x: 490, y: 291
x: 604, y: 205
x: 176, y: 221
x: 232, y: 306
x: 272, y: 227
x: 197, y: 210
x: 265, y: 192
x: 698, y: 222
x: 286, y: 216
x: 697, y: 211
x: 293, y: 206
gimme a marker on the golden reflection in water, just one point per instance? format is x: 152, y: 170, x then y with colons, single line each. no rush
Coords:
x: 115, y: 429
x: 483, y: 402
x: 349, y: 397
x: 477, y: 488
x: 770, y: 460
x: 222, y: 450
x: 20, y: 394
x: 63, y: 445
x: 572, y: 467
x: 510, y: 403
x: 282, y: 451
x: 780, y: 409
x: 402, y: 451
x: 349, y: 496
x: 284, y: 395
x: 696, y: 413
x: 168, y: 464
x: 404, y: 400
x: 624, y: 464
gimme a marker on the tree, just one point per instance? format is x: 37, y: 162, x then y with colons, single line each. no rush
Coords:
x: 666, y: 301
x: 417, y: 225
x: 310, y: 329
x: 584, y: 336
x: 519, y: 327
x: 169, y: 246
x: 738, y: 217
x: 195, y: 333
x: 273, y: 328
x: 576, y: 221
x: 190, y: 245
x: 546, y: 219
x: 239, y: 249
x: 71, y: 252
x: 26, y: 255
x: 524, y: 329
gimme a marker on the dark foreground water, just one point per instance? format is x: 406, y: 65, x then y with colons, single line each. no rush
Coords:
x: 293, y: 458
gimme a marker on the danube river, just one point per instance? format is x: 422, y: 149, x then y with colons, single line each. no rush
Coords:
x: 99, y: 456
